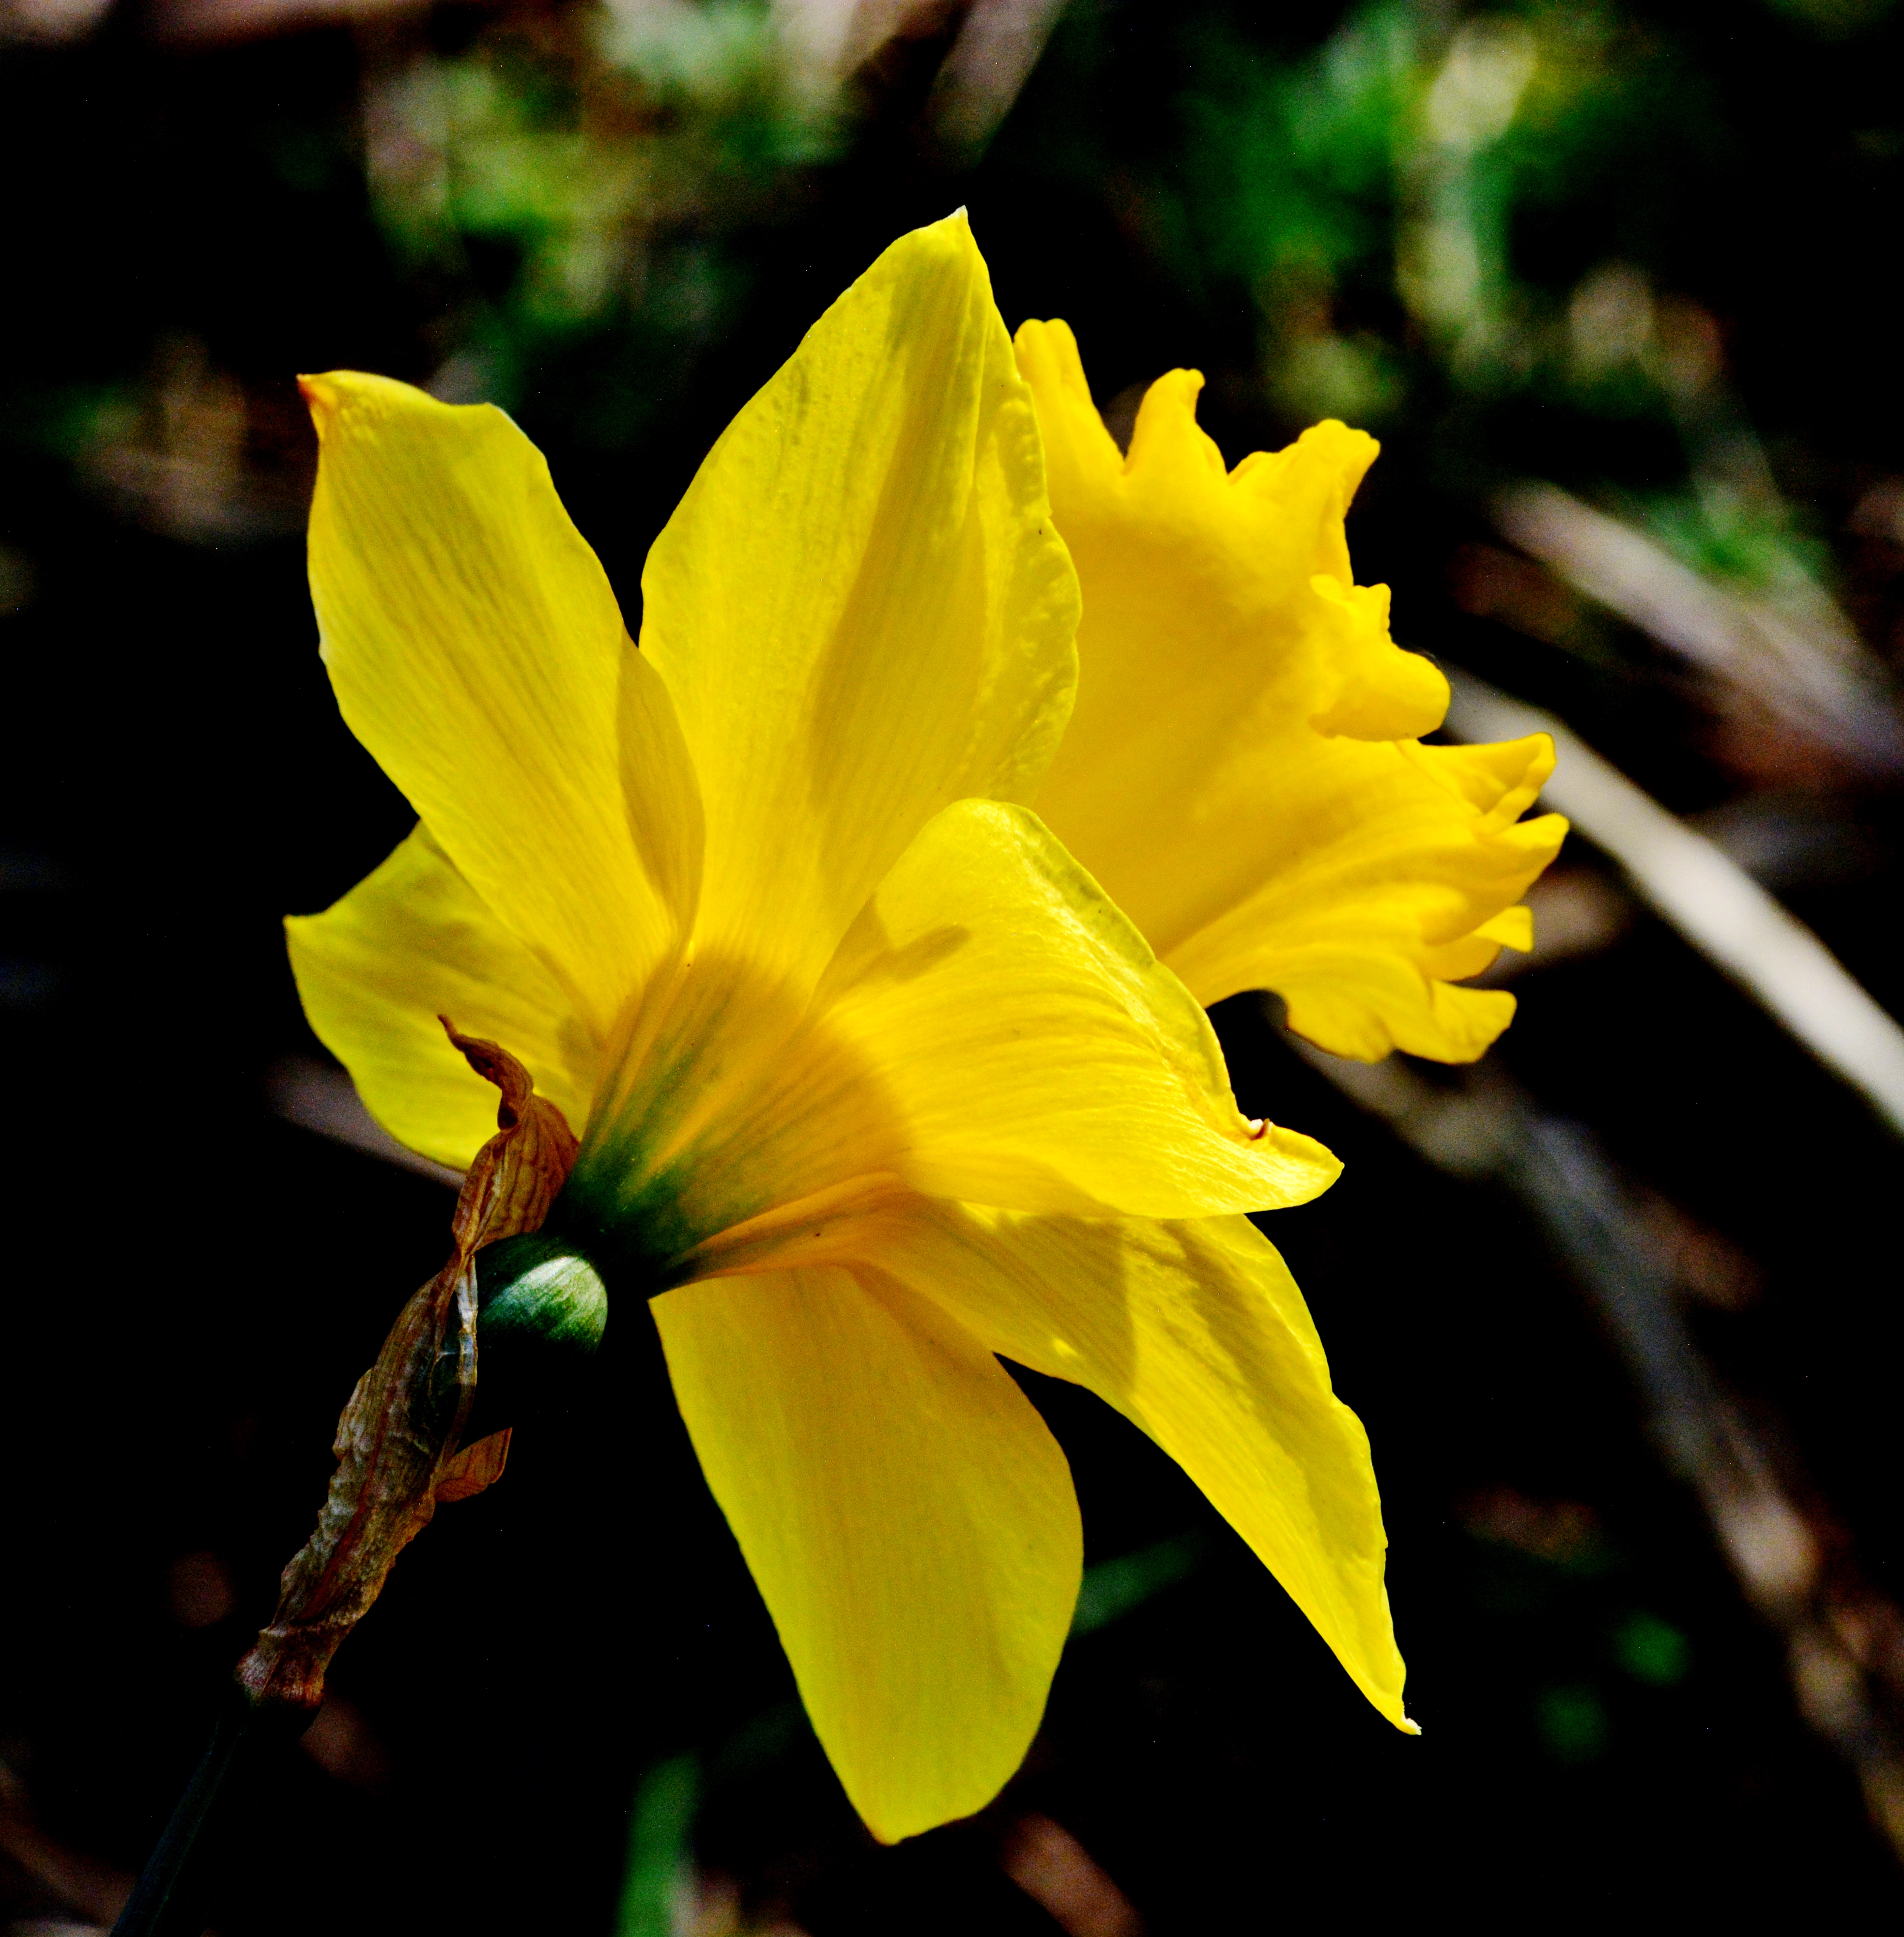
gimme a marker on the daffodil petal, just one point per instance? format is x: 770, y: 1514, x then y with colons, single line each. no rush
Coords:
x: 860, y: 607
x: 1240, y: 772
x: 478, y: 651
x: 990, y: 1028
x: 907, y: 1515
x: 1048, y: 1061
x: 1401, y: 886
x: 409, y: 943
x: 1512, y: 928
x: 1219, y: 620
x: 1196, y: 1332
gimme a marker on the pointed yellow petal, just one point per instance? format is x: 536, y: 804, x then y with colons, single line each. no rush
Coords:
x: 1238, y: 772
x: 860, y: 607
x: 409, y: 943
x: 478, y: 651
x: 990, y: 1028
x: 1196, y: 1332
x: 1045, y: 1060
x: 909, y: 1521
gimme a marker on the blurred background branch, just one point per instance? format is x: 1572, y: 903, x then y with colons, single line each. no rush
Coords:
x: 1711, y: 900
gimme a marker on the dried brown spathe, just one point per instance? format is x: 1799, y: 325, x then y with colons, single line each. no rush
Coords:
x: 399, y: 1445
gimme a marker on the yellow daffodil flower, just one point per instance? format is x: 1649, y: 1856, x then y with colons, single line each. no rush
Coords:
x: 873, y: 1079
x: 1242, y: 773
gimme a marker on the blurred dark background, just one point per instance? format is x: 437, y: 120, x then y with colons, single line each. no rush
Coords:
x: 1612, y: 282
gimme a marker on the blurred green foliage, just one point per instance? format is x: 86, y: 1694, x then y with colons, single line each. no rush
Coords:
x: 1450, y: 222
x: 574, y: 174
x: 1573, y: 1722
x: 660, y: 1848
x: 1391, y: 166
x: 1652, y: 1651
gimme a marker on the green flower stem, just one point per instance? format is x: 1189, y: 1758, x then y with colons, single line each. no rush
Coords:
x: 164, y: 1903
